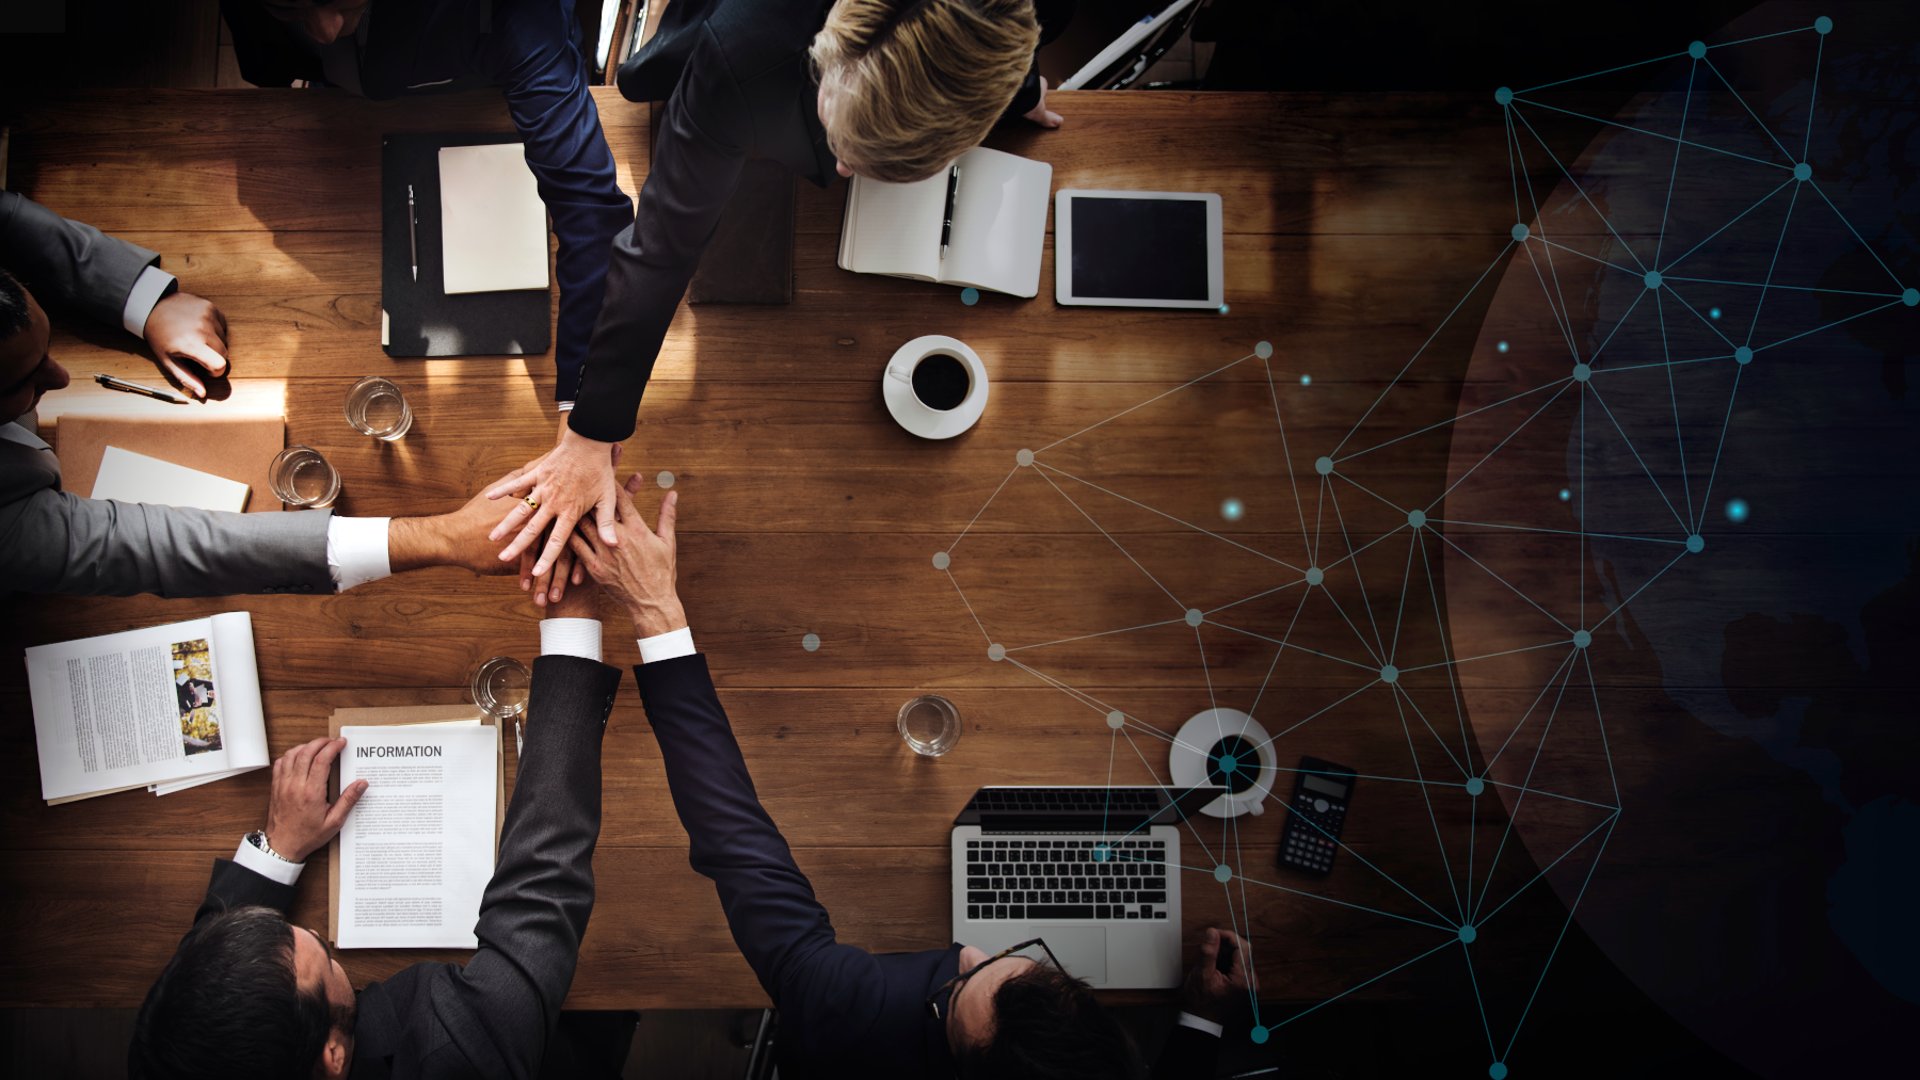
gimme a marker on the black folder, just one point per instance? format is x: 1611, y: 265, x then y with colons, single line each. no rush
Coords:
x: 421, y: 319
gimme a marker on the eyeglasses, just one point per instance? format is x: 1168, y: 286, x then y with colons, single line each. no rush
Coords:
x: 940, y: 1003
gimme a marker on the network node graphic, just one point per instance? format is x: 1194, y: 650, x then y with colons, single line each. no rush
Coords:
x: 1626, y: 381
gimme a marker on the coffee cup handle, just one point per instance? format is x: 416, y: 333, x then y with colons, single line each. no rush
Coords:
x: 897, y: 372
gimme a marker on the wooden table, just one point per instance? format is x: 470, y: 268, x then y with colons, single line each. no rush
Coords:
x: 1352, y: 224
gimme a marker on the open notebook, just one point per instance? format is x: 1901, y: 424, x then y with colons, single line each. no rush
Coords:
x: 999, y: 225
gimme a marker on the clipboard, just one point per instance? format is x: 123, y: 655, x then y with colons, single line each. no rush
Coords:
x: 418, y: 318
x: 235, y: 447
x: 398, y: 715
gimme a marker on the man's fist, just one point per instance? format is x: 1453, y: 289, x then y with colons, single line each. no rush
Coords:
x: 188, y: 336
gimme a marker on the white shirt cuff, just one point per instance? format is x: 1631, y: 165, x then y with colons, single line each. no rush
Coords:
x: 667, y: 646
x: 357, y: 550
x: 570, y: 637
x: 566, y: 406
x: 1201, y: 1023
x: 280, y: 870
x: 147, y: 290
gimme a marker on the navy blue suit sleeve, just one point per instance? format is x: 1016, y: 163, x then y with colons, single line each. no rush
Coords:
x: 534, y: 60
x: 697, y: 160
x: 1189, y: 1054
x: 828, y: 994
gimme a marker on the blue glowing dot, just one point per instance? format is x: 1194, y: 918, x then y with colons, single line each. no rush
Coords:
x: 1259, y: 1034
x: 1696, y: 543
x: 1233, y: 509
x: 1228, y: 763
x: 1713, y: 313
x: 1224, y: 309
x: 1743, y: 355
x: 1263, y: 349
x: 1582, y: 638
x: 1737, y: 510
x: 1822, y: 25
x: 1307, y: 380
x: 996, y: 652
x: 1911, y: 298
x: 1023, y: 457
x: 1475, y: 786
x: 1500, y: 346
x: 1116, y: 719
x: 811, y: 643
x: 1565, y: 495
x: 1195, y: 616
x: 1519, y: 232
x: 1497, y: 1071
x: 1697, y: 50
x: 1223, y: 873
x: 942, y: 560
x: 1803, y: 172
x: 1503, y: 96
x: 1582, y: 372
x: 1323, y: 465
x: 1652, y: 279
x: 1467, y: 934
x: 1416, y: 518
x: 969, y: 296
x: 1100, y: 852
x: 1315, y: 575
x: 1389, y: 673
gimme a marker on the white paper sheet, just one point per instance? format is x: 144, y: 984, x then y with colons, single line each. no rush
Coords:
x: 417, y: 853
x: 137, y: 478
x: 493, y: 226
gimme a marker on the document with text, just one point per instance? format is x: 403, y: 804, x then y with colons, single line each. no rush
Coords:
x: 418, y: 852
x: 161, y: 707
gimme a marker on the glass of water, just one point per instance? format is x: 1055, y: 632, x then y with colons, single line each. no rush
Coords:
x: 500, y: 685
x: 930, y: 725
x: 376, y: 407
x: 299, y: 476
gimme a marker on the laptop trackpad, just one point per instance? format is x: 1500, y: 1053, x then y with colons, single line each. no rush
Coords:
x: 1081, y: 949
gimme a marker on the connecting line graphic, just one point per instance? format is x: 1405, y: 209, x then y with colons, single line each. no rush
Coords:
x: 1455, y: 897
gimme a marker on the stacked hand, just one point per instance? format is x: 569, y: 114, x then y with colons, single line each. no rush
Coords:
x: 188, y: 337
x: 299, y: 818
x: 639, y: 573
x: 557, y: 492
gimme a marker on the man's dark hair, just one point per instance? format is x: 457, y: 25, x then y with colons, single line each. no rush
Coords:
x: 14, y: 314
x: 228, y: 1005
x: 1047, y: 1026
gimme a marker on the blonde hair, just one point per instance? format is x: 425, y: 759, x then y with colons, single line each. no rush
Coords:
x: 909, y: 85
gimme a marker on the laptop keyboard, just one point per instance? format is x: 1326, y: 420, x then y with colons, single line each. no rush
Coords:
x: 1061, y: 879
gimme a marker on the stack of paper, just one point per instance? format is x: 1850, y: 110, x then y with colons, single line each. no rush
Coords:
x: 137, y: 478
x: 410, y: 867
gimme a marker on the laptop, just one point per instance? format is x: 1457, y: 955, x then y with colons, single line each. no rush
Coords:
x: 1094, y: 870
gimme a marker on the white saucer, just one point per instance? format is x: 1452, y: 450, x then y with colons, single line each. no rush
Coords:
x: 919, y: 420
x: 1187, y: 761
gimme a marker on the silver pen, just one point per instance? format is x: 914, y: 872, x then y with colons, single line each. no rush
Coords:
x: 126, y: 387
x: 413, y: 241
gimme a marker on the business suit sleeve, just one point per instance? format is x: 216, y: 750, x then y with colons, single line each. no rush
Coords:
x: 67, y: 264
x: 52, y: 541
x: 267, y: 50
x: 696, y: 165
x: 537, y: 64
x: 1189, y: 1054
x: 498, y: 1010
x: 829, y: 995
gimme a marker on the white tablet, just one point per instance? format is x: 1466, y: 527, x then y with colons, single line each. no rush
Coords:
x: 1157, y: 249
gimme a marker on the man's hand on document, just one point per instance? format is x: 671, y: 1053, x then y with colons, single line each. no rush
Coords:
x: 299, y: 818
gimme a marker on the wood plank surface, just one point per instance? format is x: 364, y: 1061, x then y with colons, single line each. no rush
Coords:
x: 1354, y: 224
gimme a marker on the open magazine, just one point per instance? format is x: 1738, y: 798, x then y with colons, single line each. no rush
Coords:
x: 163, y: 708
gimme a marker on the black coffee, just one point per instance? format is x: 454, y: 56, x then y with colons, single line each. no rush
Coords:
x: 941, y: 381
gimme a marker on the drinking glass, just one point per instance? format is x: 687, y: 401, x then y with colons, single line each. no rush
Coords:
x: 299, y: 476
x: 930, y: 725
x: 376, y: 407
x: 499, y: 686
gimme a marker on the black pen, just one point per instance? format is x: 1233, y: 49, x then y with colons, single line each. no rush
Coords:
x: 124, y: 386
x: 946, y: 223
x: 413, y: 241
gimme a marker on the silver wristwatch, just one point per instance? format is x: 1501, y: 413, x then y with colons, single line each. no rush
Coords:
x: 258, y: 838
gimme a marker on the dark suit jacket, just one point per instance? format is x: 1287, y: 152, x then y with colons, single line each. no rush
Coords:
x: 491, y: 1017
x: 525, y: 47
x: 843, y: 1010
x: 738, y: 84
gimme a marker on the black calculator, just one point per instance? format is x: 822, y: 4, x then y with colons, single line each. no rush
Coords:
x: 1321, y: 792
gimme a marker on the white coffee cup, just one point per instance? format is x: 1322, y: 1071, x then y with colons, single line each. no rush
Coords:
x: 944, y: 397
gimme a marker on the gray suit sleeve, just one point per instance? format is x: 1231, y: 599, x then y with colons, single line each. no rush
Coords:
x: 67, y: 264
x: 56, y: 542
